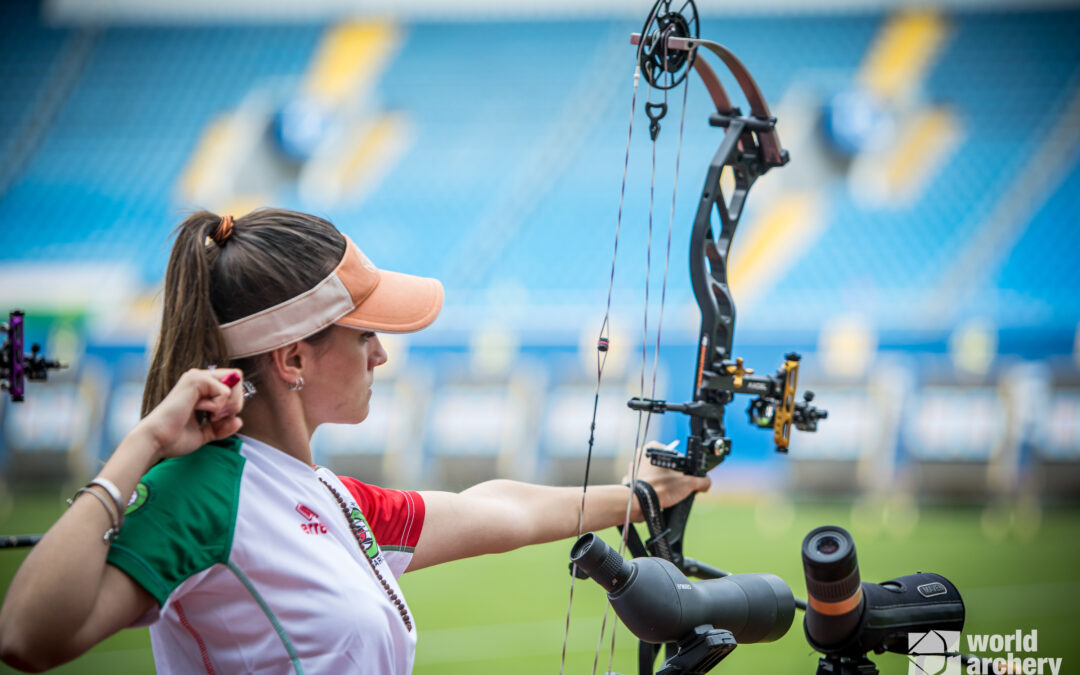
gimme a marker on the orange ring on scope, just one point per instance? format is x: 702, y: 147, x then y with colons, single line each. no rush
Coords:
x: 836, y: 608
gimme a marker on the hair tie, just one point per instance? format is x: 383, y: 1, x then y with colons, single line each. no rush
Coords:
x: 223, y: 231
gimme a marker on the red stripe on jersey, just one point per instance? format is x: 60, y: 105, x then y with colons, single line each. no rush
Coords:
x: 395, y: 516
x: 198, y: 638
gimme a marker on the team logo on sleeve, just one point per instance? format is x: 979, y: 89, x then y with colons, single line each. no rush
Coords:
x: 138, y: 498
x: 363, y: 534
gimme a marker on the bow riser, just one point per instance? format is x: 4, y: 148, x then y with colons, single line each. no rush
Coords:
x: 749, y: 148
x: 709, y: 255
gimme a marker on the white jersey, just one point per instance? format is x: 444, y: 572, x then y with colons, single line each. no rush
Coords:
x: 256, y: 569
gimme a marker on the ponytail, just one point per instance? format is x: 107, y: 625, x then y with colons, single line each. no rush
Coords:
x: 221, y: 270
x: 190, y: 336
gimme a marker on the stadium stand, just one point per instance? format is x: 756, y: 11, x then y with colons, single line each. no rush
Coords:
x: 495, y: 162
x: 1055, y: 437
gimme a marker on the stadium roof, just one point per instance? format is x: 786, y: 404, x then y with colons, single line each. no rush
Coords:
x: 200, y: 11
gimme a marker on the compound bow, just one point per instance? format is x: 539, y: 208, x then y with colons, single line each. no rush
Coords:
x: 668, y: 48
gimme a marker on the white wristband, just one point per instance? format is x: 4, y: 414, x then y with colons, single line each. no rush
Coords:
x: 114, y: 492
x: 110, y: 533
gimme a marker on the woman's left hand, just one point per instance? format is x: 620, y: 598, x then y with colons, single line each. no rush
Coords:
x: 671, y: 486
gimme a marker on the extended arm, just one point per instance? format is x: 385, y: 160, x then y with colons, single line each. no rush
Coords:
x: 502, y: 515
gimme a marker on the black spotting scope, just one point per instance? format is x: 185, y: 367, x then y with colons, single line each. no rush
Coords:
x: 847, y: 617
x: 659, y: 604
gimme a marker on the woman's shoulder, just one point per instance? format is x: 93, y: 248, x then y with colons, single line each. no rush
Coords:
x: 204, y: 478
x: 217, y: 459
x: 181, y: 517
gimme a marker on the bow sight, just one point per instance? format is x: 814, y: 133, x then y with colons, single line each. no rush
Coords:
x: 774, y: 408
x: 17, y: 367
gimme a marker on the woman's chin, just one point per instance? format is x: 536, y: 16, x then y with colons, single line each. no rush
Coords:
x: 350, y: 418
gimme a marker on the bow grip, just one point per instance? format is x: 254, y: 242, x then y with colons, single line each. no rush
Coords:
x: 675, y: 518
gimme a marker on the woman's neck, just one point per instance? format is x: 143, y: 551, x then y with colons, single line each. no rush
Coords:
x: 278, y: 422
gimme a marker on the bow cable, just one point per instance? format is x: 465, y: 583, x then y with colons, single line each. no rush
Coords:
x: 602, y: 345
x: 644, y: 432
x: 642, y: 417
x: 603, y: 341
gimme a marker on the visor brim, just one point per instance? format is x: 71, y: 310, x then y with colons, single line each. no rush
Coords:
x: 400, y: 303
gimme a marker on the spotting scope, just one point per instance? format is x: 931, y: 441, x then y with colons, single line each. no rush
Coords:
x: 847, y: 617
x: 659, y: 604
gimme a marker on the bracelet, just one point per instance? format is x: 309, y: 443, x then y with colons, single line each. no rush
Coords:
x: 114, y: 492
x: 110, y: 533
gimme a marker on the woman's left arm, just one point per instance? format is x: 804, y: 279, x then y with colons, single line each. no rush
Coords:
x: 502, y: 515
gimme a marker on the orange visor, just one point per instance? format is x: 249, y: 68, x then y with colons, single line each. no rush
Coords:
x: 356, y: 294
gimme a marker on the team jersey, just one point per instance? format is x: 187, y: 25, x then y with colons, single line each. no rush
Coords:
x: 255, y: 567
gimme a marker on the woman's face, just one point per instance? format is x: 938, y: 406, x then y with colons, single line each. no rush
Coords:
x: 338, y: 383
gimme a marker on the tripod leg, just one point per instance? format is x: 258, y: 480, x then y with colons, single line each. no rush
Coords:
x: 647, y: 657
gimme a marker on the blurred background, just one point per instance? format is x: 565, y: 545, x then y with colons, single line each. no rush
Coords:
x: 920, y: 251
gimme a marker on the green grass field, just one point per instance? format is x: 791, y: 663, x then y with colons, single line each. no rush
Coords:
x: 1017, y: 568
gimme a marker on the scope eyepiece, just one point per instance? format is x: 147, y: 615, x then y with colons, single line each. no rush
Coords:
x: 602, y: 563
x: 833, y: 584
x: 832, y: 569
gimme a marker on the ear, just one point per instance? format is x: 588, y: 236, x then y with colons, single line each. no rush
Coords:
x: 287, y: 363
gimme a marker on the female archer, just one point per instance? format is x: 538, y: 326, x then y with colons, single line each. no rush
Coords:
x: 238, y: 553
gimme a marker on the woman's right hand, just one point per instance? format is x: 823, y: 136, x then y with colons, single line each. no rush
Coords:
x: 174, y: 426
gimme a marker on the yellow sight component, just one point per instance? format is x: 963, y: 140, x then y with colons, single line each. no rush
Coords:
x: 785, y: 413
x: 739, y: 372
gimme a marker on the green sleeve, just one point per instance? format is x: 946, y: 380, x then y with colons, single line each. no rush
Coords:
x: 181, y: 518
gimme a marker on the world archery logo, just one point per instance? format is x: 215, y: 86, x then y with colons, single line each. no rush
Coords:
x: 934, y: 653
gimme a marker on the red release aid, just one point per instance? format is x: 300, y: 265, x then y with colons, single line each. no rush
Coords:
x: 231, y: 379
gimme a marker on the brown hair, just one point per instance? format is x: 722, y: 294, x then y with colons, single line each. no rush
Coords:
x: 270, y: 256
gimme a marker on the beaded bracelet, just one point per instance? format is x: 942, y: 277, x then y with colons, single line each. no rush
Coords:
x: 110, y: 533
